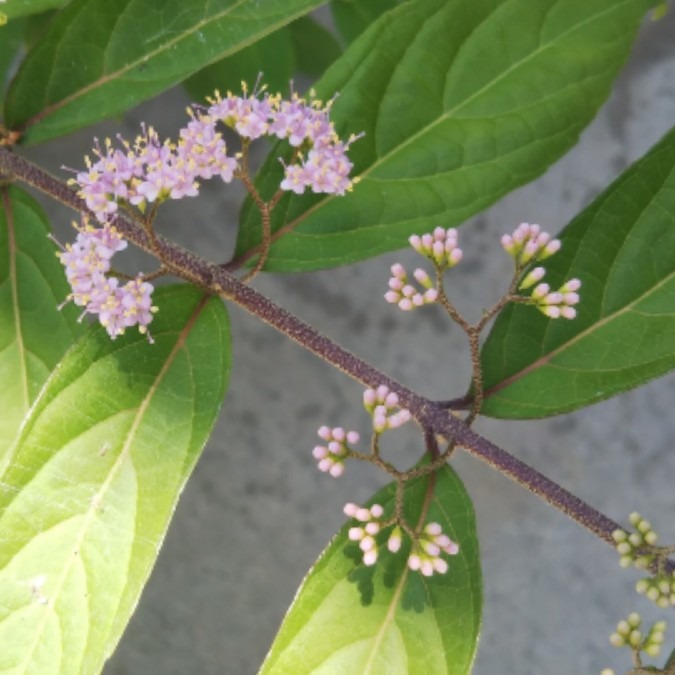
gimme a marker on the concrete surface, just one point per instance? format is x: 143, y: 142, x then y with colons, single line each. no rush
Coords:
x: 257, y: 513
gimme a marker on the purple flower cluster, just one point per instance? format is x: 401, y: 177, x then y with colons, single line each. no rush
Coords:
x: 87, y: 262
x: 152, y: 170
x: 305, y: 124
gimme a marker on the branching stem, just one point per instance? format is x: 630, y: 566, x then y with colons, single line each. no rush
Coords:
x: 431, y: 416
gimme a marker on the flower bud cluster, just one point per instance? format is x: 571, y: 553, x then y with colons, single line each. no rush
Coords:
x: 440, y: 246
x: 638, y: 549
x: 556, y: 304
x: 426, y: 551
x: 87, y: 262
x: 331, y: 457
x: 628, y: 633
x: 365, y: 535
x: 634, y: 547
x: 382, y: 404
x: 659, y: 589
x: 152, y: 170
x: 405, y: 295
x: 528, y: 243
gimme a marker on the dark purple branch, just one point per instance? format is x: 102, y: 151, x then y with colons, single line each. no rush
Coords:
x: 431, y: 416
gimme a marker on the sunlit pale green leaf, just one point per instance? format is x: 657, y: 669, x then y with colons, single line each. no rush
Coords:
x: 460, y: 103
x: 94, y: 479
x: 622, y: 247
x: 386, y: 620
x: 34, y: 334
x: 99, y: 58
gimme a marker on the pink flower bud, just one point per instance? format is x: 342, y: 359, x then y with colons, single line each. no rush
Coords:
x: 431, y: 548
x: 335, y: 448
x: 414, y: 562
x: 376, y: 510
x: 398, y: 271
x: 541, y: 291
x: 355, y: 533
x: 362, y: 515
x: 372, y: 528
x: 391, y: 400
x: 415, y: 242
x: 337, y: 469
x: 571, y: 286
x: 427, y: 568
x: 455, y: 256
x: 394, y: 541
x: 319, y: 452
x: 370, y: 557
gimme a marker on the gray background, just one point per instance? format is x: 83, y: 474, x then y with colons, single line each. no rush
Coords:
x: 257, y: 512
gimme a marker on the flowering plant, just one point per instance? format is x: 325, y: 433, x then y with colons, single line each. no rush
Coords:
x: 112, y: 378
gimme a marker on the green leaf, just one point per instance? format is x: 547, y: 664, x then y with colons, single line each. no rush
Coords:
x: 461, y: 102
x: 100, y: 57
x: 315, y: 48
x: 34, y: 334
x: 94, y: 480
x: 11, y: 36
x: 272, y: 56
x: 16, y: 8
x: 622, y: 247
x: 387, y: 620
x: 352, y: 17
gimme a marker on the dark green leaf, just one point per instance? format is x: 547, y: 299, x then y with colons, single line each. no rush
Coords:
x: 34, y: 334
x: 272, y: 56
x: 315, y: 47
x: 11, y: 36
x: 94, y: 479
x: 100, y: 57
x: 387, y: 620
x: 622, y: 247
x: 352, y: 17
x: 16, y: 8
x: 451, y: 122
